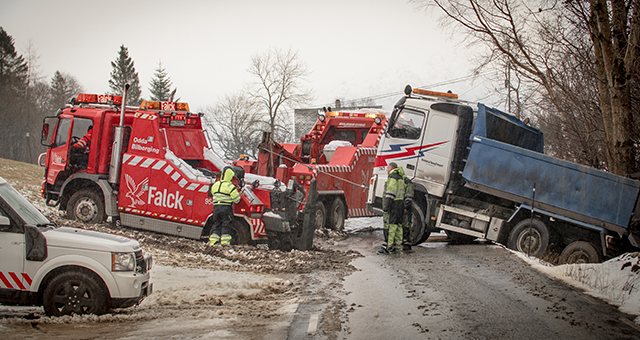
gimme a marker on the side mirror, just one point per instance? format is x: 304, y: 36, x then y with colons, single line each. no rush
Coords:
x: 36, y: 244
x: 4, y: 221
x: 392, y: 120
x: 44, y: 138
x: 48, y: 126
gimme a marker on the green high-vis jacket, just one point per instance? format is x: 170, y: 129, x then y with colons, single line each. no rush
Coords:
x: 223, y: 191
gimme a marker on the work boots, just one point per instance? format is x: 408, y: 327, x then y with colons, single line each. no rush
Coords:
x: 214, y: 239
x: 225, y: 239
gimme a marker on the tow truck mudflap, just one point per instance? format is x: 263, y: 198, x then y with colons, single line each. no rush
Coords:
x: 274, y: 222
x: 285, y: 229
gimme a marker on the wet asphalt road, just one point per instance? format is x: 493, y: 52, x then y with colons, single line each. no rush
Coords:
x: 477, y: 291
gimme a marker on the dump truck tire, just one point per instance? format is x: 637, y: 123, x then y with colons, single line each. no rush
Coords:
x: 580, y: 252
x: 458, y: 238
x: 529, y: 236
x: 418, y: 227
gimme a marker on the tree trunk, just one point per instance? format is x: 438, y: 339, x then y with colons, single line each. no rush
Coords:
x: 614, y: 83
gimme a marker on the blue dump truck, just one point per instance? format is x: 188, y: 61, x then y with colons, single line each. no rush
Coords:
x: 481, y: 173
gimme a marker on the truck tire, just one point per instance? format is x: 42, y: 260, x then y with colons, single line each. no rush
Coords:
x: 418, y: 227
x: 86, y: 206
x: 243, y: 232
x: 336, y: 215
x: 320, y: 216
x: 458, y: 238
x: 529, y: 236
x: 580, y: 252
x: 75, y: 293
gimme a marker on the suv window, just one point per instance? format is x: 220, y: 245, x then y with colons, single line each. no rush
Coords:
x: 27, y: 212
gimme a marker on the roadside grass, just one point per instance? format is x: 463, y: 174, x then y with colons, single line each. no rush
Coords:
x: 26, y: 178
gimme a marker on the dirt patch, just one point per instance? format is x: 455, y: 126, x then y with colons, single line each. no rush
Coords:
x: 188, y: 253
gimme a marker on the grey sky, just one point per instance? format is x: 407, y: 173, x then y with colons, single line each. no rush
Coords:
x: 354, y: 48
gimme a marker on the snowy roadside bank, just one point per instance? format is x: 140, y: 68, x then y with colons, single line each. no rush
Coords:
x: 616, y: 281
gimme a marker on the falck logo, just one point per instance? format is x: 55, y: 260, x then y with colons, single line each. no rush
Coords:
x: 135, y: 190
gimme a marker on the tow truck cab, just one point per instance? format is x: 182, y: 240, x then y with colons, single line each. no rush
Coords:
x: 157, y: 178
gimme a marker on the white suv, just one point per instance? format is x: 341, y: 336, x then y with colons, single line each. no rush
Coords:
x: 66, y: 270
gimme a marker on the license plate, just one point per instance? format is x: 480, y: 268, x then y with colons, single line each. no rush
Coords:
x: 175, y: 122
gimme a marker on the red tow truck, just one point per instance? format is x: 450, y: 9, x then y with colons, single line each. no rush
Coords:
x: 147, y: 167
x: 339, y: 153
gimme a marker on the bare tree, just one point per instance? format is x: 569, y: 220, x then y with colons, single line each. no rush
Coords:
x: 278, y: 87
x: 360, y: 102
x: 236, y: 125
x: 577, y: 56
x: 615, y: 31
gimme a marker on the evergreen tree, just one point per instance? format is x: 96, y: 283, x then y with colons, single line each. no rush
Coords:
x: 13, y: 69
x: 124, y: 72
x: 13, y: 96
x: 160, y: 84
x: 63, y: 88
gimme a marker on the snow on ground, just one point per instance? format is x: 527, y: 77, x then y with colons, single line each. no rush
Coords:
x: 190, y: 285
x: 616, y: 281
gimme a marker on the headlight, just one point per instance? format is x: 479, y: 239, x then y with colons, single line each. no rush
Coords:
x: 123, y: 262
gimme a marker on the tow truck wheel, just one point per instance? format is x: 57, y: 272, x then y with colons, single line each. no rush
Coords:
x: 320, y: 217
x: 243, y: 232
x: 74, y: 293
x: 336, y: 215
x: 580, y: 252
x: 86, y: 206
x: 529, y: 236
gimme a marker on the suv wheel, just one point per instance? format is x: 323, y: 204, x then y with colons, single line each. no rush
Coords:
x: 75, y: 293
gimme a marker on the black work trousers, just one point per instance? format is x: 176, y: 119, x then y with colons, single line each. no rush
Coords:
x: 222, y: 219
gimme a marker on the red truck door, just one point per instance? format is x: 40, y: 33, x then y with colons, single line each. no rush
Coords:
x: 58, y: 153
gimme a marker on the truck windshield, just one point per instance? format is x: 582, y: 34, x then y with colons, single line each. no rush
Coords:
x: 22, y: 207
x: 408, y: 124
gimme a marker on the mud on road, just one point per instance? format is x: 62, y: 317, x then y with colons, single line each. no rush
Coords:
x: 235, y: 292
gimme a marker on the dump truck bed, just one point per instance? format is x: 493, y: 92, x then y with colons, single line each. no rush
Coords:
x: 562, y: 187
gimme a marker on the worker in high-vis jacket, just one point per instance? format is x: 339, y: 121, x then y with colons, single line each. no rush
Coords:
x: 393, y: 205
x: 224, y: 195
